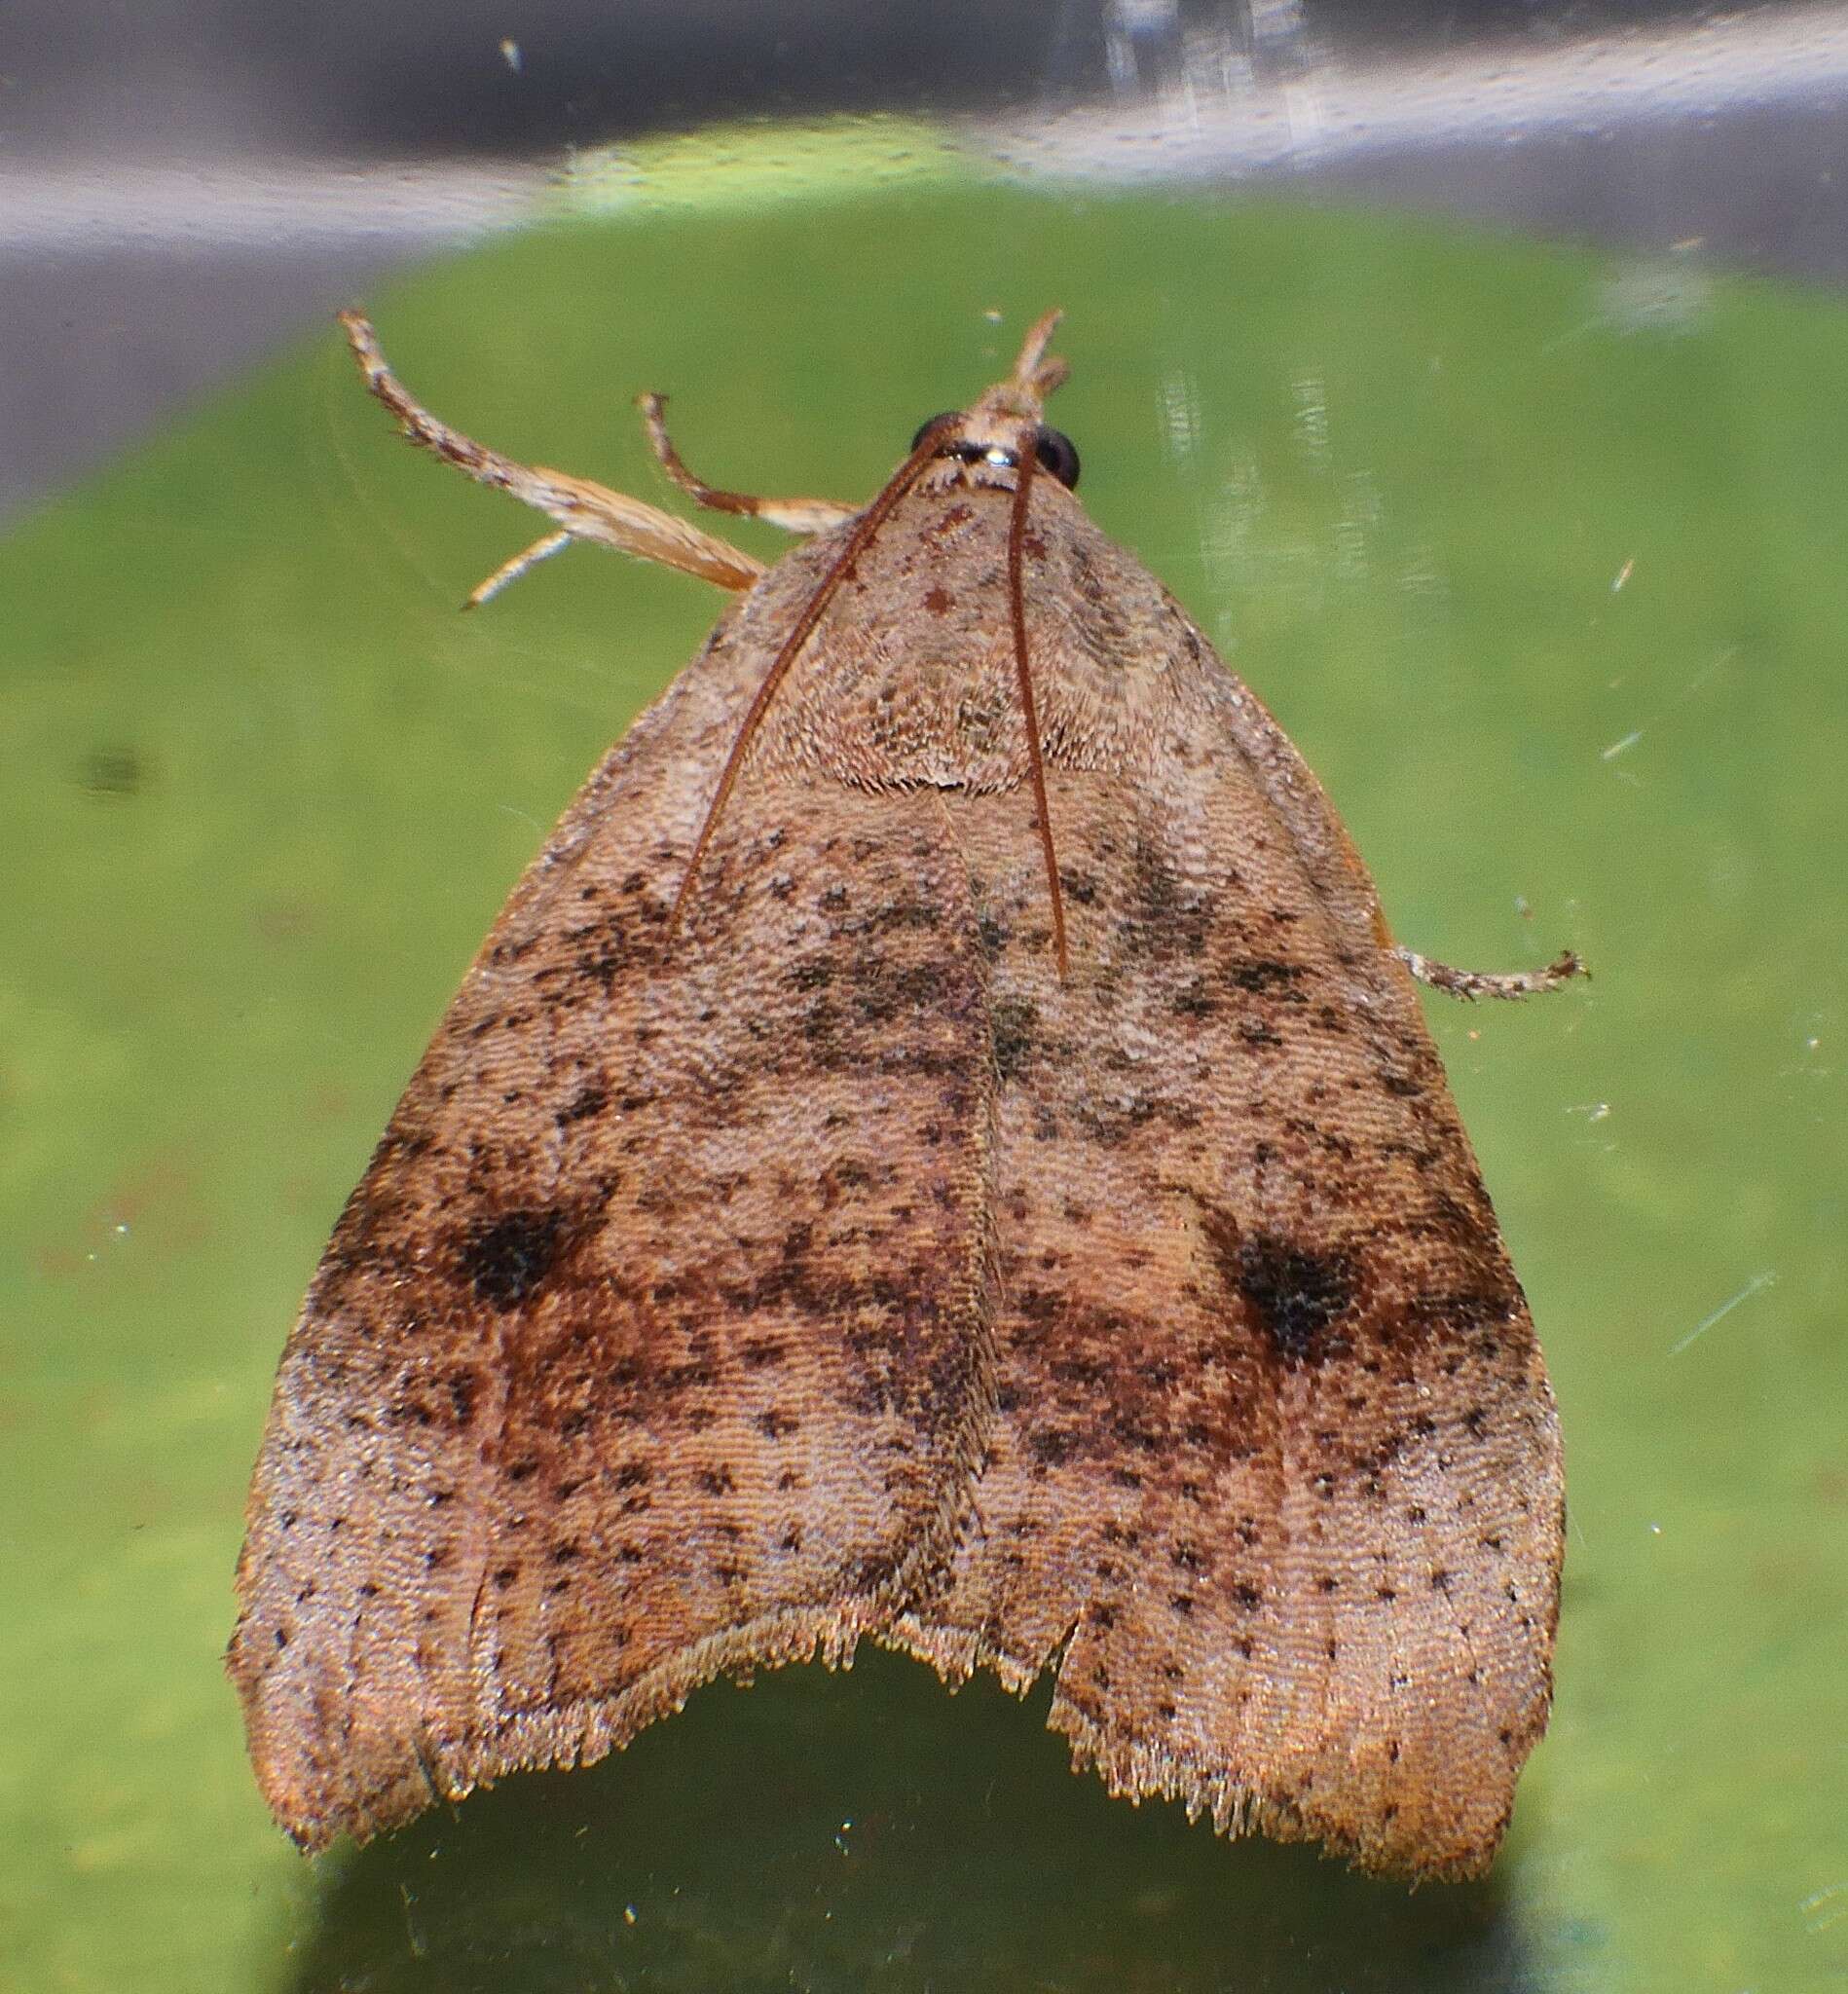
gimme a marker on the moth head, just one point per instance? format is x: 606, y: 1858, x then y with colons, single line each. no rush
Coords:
x: 990, y: 439
x: 990, y: 452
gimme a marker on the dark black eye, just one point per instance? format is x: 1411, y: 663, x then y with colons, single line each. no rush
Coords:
x: 1058, y: 455
x: 924, y: 428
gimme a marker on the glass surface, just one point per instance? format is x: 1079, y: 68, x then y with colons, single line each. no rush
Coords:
x: 1535, y: 549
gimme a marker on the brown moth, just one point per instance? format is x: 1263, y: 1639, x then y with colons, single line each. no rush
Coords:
x: 939, y: 1147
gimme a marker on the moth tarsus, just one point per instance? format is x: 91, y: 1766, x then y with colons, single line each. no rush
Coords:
x: 792, y: 515
x: 510, y: 571
x: 1472, y: 984
x: 833, y: 1265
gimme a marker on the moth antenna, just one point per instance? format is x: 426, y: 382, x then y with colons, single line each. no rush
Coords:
x: 1016, y: 615
x: 870, y: 521
x: 1033, y: 373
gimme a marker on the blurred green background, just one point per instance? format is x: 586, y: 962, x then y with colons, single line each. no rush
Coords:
x: 1538, y: 556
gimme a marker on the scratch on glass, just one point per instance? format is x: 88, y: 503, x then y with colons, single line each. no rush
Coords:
x: 1726, y: 1309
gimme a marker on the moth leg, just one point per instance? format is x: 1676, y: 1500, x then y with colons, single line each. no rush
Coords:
x: 512, y: 570
x: 584, y: 509
x: 792, y: 515
x: 1469, y: 985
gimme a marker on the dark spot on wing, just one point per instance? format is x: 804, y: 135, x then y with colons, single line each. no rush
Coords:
x: 1296, y: 1293
x: 589, y: 1101
x: 1169, y: 917
x: 506, y: 1260
x: 1266, y: 976
x: 1015, y: 1027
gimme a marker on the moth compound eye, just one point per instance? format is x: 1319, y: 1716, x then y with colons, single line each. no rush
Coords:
x: 925, y: 428
x: 1058, y: 454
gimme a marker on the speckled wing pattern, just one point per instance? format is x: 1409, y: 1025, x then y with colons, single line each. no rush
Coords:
x: 658, y: 1339
x: 1275, y: 1479
x: 834, y: 1268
